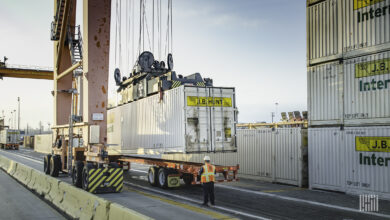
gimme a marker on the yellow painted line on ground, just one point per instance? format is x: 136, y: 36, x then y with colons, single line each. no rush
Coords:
x: 281, y: 190
x: 214, y: 215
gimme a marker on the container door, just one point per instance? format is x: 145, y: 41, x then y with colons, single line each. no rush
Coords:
x: 198, y: 131
x: 222, y: 107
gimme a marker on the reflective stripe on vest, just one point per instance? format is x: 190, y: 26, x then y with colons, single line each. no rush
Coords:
x: 208, y: 174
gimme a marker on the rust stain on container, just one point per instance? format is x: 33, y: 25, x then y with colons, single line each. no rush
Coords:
x: 95, y: 38
x: 104, y: 90
x: 103, y: 104
x: 98, y: 44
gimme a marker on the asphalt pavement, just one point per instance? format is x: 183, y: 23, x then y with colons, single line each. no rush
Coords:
x: 246, y: 199
x: 17, y: 202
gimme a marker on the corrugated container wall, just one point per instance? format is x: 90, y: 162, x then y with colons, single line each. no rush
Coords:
x: 355, y: 160
x: 367, y: 90
x: 354, y: 93
x: 9, y: 136
x: 326, y: 158
x: 346, y: 28
x: 366, y: 26
x: 325, y: 84
x: 185, y: 120
x: 323, y: 32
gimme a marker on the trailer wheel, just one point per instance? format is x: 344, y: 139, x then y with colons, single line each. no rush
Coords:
x: 153, y: 176
x: 163, y: 177
x: 77, y: 173
x: 188, y: 178
x: 85, y: 176
x: 55, y: 165
x: 46, y: 164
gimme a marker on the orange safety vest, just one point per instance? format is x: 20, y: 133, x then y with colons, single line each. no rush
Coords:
x: 208, y: 174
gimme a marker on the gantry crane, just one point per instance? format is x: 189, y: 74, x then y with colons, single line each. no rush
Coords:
x: 81, y: 60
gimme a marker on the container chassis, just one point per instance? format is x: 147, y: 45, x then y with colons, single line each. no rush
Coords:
x: 167, y: 173
x: 9, y: 146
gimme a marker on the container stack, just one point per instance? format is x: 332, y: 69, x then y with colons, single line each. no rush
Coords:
x: 348, y: 58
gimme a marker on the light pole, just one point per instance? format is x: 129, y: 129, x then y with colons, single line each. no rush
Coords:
x: 276, y: 111
x: 11, y: 120
x: 18, y: 113
x: 14, y: 118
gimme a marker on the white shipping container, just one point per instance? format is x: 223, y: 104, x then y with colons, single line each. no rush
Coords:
x: 367, y: 90
x: 355, y: 160
x: 184, y: 120
x: 346, y: 29
x: 9, y: 136
x: 325, y: 84
x: 278, y: 155
x: 43, y: 143
x: 323, y: 31
x: 367, y: 161
x: 326, y: 154
x: 366, y: 26
x: 354, y: 93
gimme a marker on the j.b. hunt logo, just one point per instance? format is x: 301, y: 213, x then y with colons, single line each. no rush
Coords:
x: 372, y: 12
x: 373, y: 144
x: 373, y: 68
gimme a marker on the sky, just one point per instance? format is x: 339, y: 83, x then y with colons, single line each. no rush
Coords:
x: 256, y: 46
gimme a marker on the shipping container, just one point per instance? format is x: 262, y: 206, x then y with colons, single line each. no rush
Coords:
x: 366, y: 27
x: 355, y: 160
x: 9, y: 136
x: 354, y: 93
x: 346, y: 29
x: 28, y: 141
x: 325, y: 101
x: 323, y: 31
x: 43, y: 143
x: 274, y: 155
x: 186, y: 119
x: 367, y: 90
x: 326, y: 159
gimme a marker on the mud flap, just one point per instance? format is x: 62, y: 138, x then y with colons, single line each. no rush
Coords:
x: 173, y: 180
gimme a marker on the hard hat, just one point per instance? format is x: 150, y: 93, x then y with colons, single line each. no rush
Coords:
x: 206, y: 158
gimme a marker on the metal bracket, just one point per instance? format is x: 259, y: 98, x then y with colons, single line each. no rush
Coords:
x: 77, y: 73
x: 70, y: 91
x: 77, y: 118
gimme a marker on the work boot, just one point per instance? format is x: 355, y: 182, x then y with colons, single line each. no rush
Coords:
x: 205, y: 205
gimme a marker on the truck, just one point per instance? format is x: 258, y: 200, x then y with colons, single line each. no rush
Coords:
x: 9, y: 139
x: 162, y: 113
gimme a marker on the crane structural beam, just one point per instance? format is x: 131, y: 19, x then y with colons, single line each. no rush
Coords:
x: 26, y: 73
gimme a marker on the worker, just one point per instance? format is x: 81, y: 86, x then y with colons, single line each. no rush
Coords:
x: 207, y: 174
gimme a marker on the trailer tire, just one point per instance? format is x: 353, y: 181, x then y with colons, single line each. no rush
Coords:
x: 46, y: 164
x: 188, y: 178
x: 153, y: 176
x: 163, y: 177
x: 77, y: 173
x: 55, y: 165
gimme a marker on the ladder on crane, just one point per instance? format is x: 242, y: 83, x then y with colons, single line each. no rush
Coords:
x: 57, y: 23
x: 75, y: 44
